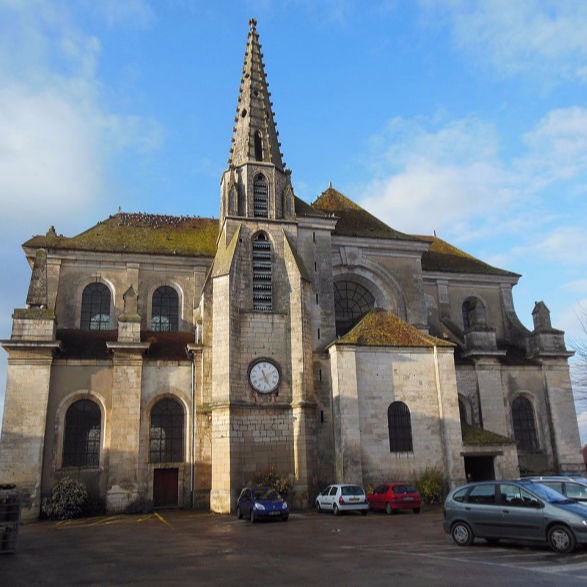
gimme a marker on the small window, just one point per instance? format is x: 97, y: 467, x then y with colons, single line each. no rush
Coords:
x: 81, y: 442
x: 165, y: 310
x: 167, y: 434
x: 258, y: 146
x: 400, y: 427
x: 95, y: 307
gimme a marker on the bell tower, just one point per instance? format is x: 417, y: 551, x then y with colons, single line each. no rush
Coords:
x: 256, y: 183
x: 258, y: 303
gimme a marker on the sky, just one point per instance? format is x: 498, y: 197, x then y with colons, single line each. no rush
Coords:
x: 461, y: 117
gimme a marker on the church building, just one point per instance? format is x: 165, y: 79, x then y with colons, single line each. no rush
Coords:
x: 169, y: 360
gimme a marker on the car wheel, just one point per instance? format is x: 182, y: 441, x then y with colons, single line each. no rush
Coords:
x: 284, y: 518
x: 363, y: 512
x: 561, y: 539
x: 416, y: 510
x: 239, y: 514
x: 388, y: 508
x: 462, y: 534
x: 253, y: 517
x: 335, y: 510
x: 318, y: 508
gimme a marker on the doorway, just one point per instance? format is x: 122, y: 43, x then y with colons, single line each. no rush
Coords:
x: 165, y: 485
x: 479, y: 468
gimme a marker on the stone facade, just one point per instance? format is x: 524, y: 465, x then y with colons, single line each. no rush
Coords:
x: 390, y: 354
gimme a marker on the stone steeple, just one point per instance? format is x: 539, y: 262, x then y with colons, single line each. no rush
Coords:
x: 256, y: 184
x: 255, y: 134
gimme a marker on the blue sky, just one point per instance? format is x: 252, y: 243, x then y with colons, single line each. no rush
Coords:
x: 464, y: 117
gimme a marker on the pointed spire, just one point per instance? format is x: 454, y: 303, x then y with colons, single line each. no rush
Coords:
x: 255, y: 136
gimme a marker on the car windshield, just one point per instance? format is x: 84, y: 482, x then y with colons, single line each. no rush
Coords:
x: 547, y: 494
x: 266, y: 493
x: 352, y: 490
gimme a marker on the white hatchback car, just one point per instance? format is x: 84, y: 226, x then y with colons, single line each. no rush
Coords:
x: 342, y: 497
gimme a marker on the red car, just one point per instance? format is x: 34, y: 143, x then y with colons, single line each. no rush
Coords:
x: 395, y: 496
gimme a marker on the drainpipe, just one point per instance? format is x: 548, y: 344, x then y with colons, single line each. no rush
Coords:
x: 446, y: 457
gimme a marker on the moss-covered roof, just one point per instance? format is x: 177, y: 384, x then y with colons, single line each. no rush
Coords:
x: 383, y: 328
x: 474, y: 435
x: 354, y: 220
x: 91, y: 344
x: 140, y: 233
x: 444, y: 257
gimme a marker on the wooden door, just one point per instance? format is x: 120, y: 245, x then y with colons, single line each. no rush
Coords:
x: 165, y: 484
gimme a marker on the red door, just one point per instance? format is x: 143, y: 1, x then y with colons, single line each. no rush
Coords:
x: 165, y: 487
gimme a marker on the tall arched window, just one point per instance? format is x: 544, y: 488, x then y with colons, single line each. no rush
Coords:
x: 260, y: 196
x: 524, y: 424
x: 400, y: 427
x: 95, y: 307
x: 166, y: 444
x: 351, y: 301
x: 165, y: 309
x: 262, y: 272
x: 81, y: 440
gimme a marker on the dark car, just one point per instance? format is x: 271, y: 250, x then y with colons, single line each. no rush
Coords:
x: 514, y: 510
x: 395, y: 496
x: 261, y: 503
x: 572, y: 487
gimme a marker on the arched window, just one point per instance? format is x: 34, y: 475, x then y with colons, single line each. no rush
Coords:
x: 474, y: 313
x: 351, y: 301
x: 260, y: 196
x: 262, y: 270
x: 165, y: 309
x: 524, y: 424
x: 166, y: 444
x: 95, y: 307
x: 81, y: 441
x: 258, y: 146
x: 400, y: 427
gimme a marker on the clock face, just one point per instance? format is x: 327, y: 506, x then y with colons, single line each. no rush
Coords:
x: 264, y: 376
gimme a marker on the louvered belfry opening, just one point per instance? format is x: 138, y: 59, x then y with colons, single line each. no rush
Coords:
x: 262, y: 270
x: 260, y: 196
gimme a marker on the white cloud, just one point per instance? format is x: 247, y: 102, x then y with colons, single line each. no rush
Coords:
x: 55, y: 132
x: 130, y: 13
x: 528, y: 36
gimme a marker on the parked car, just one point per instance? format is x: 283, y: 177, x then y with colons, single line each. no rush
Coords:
x: 514, y: 510
x: 342, y: 497
x: 571, y: 487
x: 395, y: 496
x: 258, y: 503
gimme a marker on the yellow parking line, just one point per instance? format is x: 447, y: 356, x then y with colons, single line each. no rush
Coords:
x: 162, y: 519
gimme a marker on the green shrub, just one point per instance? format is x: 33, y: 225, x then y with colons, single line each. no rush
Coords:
x: 273, y: 478
x: 432, y: 486
x: 68, y: 500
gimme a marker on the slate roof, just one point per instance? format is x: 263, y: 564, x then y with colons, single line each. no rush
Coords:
x: 383, y: 328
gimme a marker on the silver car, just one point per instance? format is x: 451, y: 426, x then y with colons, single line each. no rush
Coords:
x: 571, y: 487
x: 342, y: 497
x: 514, y: 510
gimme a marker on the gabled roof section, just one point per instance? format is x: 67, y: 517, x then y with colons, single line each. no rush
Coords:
x: 140, y: 233
x: 354, y: 220
x: 444, y: 257
x: 383, y: 328
x: 255, y: 134
x: 225, y: 254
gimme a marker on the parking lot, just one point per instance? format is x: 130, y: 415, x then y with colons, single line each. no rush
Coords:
x: 176, y: 547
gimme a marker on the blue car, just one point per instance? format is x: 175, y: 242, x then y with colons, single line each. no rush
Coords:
x: 261, y: 503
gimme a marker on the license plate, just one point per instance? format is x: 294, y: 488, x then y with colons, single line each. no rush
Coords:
x: 354, y: 499
x: 274, y: 513
x: 408, y: 498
